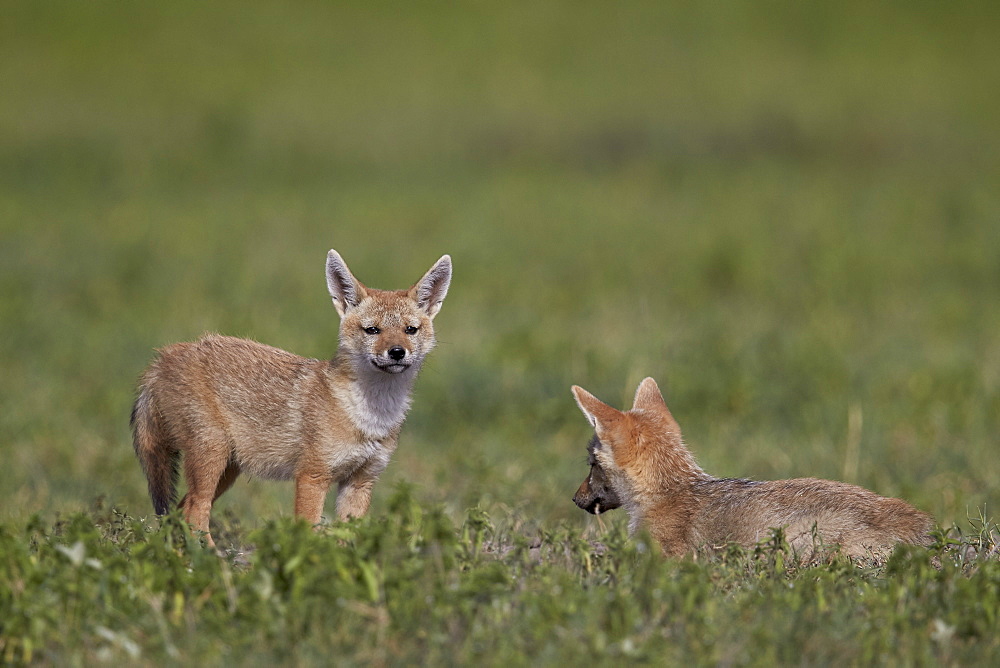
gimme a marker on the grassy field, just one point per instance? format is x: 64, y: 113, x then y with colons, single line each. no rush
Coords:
x: 787, y: 213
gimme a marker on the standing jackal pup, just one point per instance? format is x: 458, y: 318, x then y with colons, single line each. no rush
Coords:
x: 235, y: 406
x: 639, y: 461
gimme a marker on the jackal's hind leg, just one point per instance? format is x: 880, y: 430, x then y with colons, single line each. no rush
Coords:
x: 207, y: 478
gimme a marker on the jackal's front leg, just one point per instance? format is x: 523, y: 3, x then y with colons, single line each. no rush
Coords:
x: 310, y: 493
x: 355, y: 493
x: 353, y: 498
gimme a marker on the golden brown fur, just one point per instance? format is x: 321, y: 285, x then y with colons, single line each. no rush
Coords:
x: 235, y: 406
x: 645, y: 467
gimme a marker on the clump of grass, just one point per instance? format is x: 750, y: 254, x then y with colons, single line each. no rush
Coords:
x: 414, y: 586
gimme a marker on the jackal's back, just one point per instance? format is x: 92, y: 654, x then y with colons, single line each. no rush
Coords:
x: 745, y: 511
x: 235, y: 399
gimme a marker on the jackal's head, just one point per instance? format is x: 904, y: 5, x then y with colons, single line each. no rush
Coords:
x: 634, y: 453
x: 387, y: 331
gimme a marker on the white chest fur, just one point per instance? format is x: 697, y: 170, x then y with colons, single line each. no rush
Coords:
x: 377, y: 403
x: 344, y: 461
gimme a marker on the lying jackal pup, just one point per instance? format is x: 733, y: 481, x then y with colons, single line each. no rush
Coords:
x: 637, y: 460
x: 232, y: 405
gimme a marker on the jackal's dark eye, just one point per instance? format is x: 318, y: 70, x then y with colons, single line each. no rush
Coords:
x: 372, y: 330
x: 411, y: 329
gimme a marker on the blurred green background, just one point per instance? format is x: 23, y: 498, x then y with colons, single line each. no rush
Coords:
x: 788, y: 213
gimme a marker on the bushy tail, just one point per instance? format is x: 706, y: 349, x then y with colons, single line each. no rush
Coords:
x: 158, y: 458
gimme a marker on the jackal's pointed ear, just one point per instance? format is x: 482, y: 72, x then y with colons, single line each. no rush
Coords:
x: 648, y: 397
x: 430, y: 291
x: 598, y: 413
x: 346, y: 291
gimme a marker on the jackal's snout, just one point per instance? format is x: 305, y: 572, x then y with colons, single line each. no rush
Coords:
x: 396, y: 358
x: 595, y: 495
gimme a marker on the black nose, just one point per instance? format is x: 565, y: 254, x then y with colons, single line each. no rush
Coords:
x: 397, y: 352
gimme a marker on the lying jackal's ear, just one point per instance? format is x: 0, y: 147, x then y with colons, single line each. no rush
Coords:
x: 648, y: 396
x: 598, y: 413
x: 430, y: 291
x: 346, y: 291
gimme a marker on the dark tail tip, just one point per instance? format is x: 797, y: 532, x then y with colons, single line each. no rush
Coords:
x: 157, y: 457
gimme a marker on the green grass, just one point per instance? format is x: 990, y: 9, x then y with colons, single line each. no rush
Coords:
x: 415, y: 587
x: 786, y: 213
